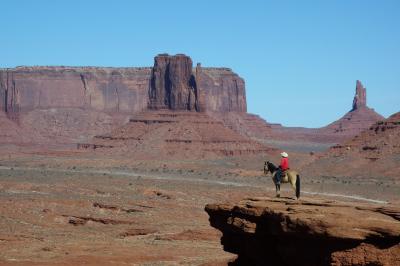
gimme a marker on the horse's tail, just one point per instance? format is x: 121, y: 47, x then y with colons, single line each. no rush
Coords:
x: 298, y: 186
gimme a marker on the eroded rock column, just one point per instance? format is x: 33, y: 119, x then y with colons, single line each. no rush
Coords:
x: 173, y: 86
x: 360, y: 99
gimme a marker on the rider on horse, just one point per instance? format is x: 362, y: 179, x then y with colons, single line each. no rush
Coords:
x: 283, y: 167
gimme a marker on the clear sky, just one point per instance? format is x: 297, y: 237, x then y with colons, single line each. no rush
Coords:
x: 300, y: 59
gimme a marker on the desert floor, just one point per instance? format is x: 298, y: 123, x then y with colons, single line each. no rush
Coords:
x: 64, y: 207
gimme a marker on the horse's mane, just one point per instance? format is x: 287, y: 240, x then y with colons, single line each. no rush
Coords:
x: 271, y: 166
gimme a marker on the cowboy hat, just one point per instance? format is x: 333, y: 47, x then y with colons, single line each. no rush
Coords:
x: 284, y: 154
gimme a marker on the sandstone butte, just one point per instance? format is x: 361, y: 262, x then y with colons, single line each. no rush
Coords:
x: 359, y: 118
x: 270, y: 231
x: 74, y: 104
x: 69, y: 105
x: 172, y: 83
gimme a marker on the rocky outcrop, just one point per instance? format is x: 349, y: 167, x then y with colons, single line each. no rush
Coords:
x: 173, y: 85
x: 267, y: 231
x: 360, y: 99
x: 176, y: 86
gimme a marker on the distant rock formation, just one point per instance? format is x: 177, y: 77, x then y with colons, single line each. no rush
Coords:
x: 176, y: 86
x: 25, y: 89
x: 360, y: 99
x: 373, y: 152
x: 359, y: 118
x: 173, y: 85
x: 266, y: 231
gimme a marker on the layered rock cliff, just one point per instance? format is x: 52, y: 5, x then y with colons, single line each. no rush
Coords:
x: 25, y: 89
x: 176, y: 86
x: 267, y: 231
x: 222, y: 90
x: 172, y: 83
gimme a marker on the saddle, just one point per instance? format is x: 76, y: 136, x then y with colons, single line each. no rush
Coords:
x: 285, y: 174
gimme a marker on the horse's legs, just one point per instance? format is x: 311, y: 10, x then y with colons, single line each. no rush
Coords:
x: 293, y: 183
x: 278, y: 190
x: 277, y: 184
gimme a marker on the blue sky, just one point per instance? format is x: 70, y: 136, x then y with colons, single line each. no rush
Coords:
x: 300, y: 59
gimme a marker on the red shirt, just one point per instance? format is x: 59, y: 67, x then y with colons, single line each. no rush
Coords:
x: 284, y: 164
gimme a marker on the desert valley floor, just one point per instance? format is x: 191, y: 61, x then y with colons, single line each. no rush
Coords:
x: 64, y: 207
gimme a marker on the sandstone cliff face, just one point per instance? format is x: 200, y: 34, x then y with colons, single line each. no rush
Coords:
x: 223, y: 89
x: 107, y: 89
x: 176, y: 86
x: 266, y: 231
x: 11, y: 132
x: 172, y: 83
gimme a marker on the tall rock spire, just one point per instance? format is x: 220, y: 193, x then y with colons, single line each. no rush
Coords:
x: 360, y: 99
x: 173, y: 85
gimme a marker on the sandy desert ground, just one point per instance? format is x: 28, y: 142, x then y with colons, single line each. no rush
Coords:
x: 64, y: 207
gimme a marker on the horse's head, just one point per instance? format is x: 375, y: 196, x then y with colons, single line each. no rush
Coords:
x: 269, y: 167
x: 266, y: 167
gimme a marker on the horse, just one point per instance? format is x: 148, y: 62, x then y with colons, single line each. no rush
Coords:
x: 291, y: 177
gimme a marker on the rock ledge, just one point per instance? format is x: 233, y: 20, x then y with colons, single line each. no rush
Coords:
x: 269, y: 231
